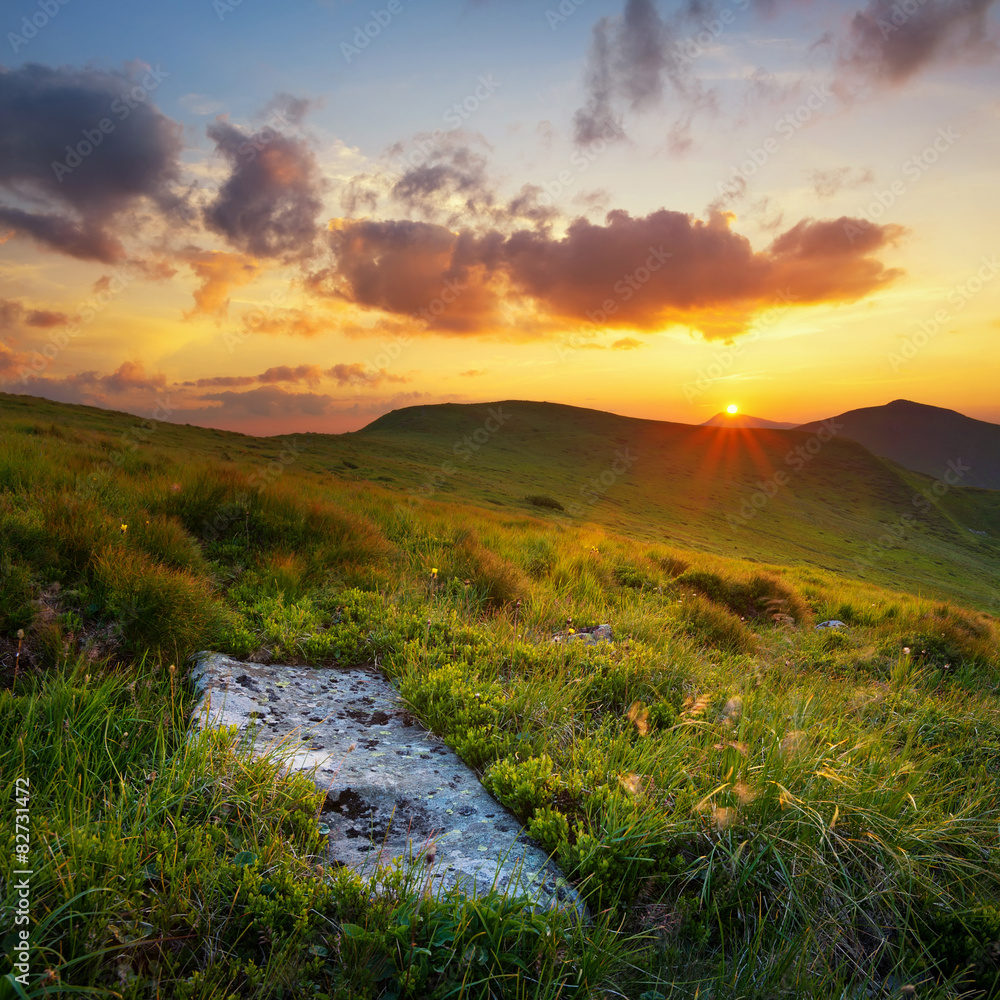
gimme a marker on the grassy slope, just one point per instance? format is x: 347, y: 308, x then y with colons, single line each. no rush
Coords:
x: 687, y: 483
x: 773, y: 810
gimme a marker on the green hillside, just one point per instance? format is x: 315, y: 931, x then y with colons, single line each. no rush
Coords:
x: 751, y: 806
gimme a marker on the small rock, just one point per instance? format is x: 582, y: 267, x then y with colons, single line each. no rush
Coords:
x: 589, y: 636
x: 832, y: 623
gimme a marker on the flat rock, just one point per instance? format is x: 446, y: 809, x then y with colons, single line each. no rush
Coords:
x: 393, y: 788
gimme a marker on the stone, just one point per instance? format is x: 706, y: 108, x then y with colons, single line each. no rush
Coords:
x: 832, y: 623
x: 393, y: 789
x: 589, y: 636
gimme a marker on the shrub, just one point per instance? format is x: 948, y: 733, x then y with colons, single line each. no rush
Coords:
x: 155, y: 608
x: 761, y: 598
x: 714, y: 626
x: 494, y: 578
x: 540, y: 500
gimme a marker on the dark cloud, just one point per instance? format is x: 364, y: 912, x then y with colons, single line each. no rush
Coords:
x: 284, y: 373
x: 14, y: 314
x: 342, y: 374
x: 643, y: 273
x: 891, y: 40
x: 94, y: 389
x: 268, y: 205
x: 223, y: 382
x: 78, y: 148
x: 634, y: 59
x: 358, y: 374
x: 443, y: 176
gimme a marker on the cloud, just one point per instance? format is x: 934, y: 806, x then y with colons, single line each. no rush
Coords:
x: 94, y: 389
x: 285, y: 322
x: 77, y: 149
x: 646, y: 273
x: 443, y: 177
x: 633, y: 59
x: 268, y: 205
x: 270, y: 401
x: 14, y: 314
x: 474, y: 372
x: 358, y: 374
x: 626, y: 344
x: 342, y: 374
x: 300, y: 373
x: 218, y: 273
x: 827, y: 183
x: 11, y: 362
x: 890, y: 41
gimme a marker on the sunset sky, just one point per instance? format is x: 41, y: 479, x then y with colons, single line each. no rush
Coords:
x: 285, y: 216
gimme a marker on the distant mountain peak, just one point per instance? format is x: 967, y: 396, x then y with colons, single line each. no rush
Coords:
x: 723, y: 419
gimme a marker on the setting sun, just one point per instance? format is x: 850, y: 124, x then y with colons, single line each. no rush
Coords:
x: 731, y: 408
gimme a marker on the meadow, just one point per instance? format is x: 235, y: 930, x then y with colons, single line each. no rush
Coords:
x: 752, y: 807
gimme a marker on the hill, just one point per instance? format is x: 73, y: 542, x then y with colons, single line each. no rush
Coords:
x: 781, y: 496
x: 752, y: 806
x: 929, y: 439
x: 723, y: 419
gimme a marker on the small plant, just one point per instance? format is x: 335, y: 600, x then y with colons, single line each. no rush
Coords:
x: 540, y: 500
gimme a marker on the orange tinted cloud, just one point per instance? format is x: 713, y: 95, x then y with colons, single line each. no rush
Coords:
x: 219, y: 272
x: 646, y: 273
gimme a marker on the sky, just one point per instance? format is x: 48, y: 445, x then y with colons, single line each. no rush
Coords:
x: 276, y: 217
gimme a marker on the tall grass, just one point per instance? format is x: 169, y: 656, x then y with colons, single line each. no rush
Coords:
x: 752, y: 807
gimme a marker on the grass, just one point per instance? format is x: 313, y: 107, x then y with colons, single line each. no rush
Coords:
x: 751, y: 807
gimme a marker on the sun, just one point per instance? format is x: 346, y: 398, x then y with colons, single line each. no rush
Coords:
x: 732, y: 408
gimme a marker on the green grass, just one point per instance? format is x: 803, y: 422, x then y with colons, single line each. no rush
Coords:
x: 751, y: 807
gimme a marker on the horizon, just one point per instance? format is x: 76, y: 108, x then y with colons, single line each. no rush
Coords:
x: 297, y: 219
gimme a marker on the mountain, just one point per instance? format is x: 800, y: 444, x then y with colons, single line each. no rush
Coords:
x: 942, y: 443
x: 780, y: 496
x: 723, y: 419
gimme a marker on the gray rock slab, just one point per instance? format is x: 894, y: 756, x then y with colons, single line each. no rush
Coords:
x: 393, y: 789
